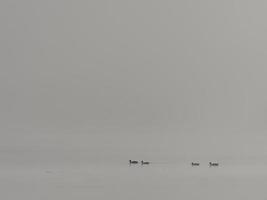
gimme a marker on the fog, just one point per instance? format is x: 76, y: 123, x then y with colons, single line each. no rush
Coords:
x: 87, y: 85
x: 169, y: 78
x: 87, y: 82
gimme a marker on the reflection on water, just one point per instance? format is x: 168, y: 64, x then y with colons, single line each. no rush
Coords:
x: 121, y: 181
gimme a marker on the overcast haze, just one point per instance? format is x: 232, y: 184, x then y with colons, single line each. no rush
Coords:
x: 133, y: 78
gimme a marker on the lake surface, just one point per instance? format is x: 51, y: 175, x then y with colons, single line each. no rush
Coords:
x: 115, y: 181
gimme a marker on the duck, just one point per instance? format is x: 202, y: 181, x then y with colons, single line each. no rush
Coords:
x: 195, y: 164
x: 212, y: 164
x: 145, y: 162
x: 133, y: 162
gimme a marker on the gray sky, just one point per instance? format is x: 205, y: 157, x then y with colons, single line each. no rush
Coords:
x: 116, y: 76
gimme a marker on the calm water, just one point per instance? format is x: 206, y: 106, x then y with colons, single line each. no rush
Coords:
x: 121, y: 181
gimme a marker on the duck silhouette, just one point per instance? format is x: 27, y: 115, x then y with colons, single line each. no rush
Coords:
x: 212, y: 164
x: 145, y: 162
x: 133, y: 162
x: 195, y: 164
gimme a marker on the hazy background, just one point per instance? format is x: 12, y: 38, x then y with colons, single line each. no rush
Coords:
x: 137, y: 79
